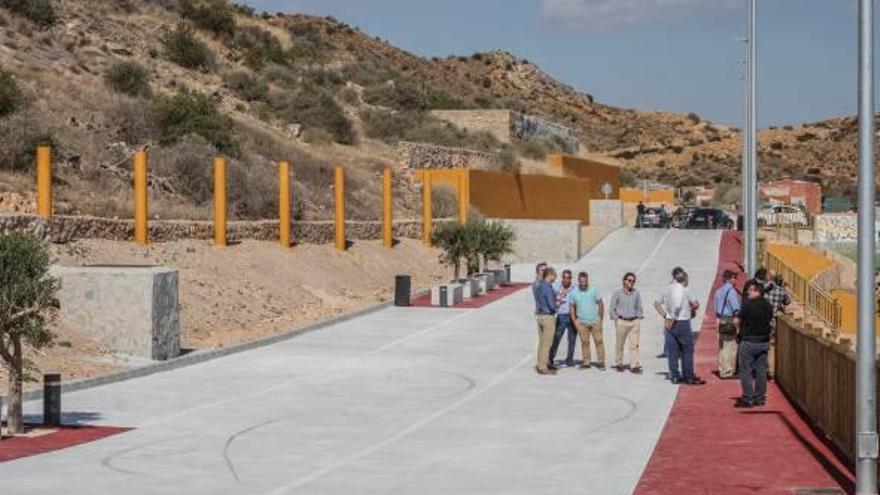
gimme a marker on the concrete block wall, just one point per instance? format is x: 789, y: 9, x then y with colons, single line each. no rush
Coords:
x: 429, y: 156
x: 553, y: 241
x: 606, y: 213
x: 129, y: 309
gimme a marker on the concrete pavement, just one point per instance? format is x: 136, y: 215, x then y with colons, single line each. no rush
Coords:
x: 404, y: 400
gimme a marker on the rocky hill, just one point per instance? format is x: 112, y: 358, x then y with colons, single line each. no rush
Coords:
x: 192, y: 78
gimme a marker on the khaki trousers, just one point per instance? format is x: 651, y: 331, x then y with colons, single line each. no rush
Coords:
x: 591, y: 330
x: 726, y: 356
x: 546, y: 330
x: 627, y: 330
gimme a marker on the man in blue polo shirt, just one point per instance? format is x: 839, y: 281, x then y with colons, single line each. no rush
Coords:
x: 588, y: 310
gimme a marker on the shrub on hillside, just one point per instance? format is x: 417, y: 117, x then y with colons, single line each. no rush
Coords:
x: 421, y: 127
x: 40, y: 12
x: 260, y: 47
x: 313, y: 107
x: 538, y: 148
x: 11, y: 97
x: 246, y: 86
x: 128, y: 77
x: 19, y: 137
x: 406, y: 94
x: 184, y: 49
x: 183, y: 114
x: 216, y: 16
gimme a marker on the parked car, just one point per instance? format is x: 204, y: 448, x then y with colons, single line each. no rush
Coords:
x: 680, y: 216
x: 655, y: 218
x: 783, y: 214
x: 709, y: 218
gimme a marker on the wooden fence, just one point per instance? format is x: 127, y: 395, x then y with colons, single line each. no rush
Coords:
x: 819, y: 377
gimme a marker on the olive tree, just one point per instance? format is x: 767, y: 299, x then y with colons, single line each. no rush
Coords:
x: 27, y: 300
x: 450, y: 237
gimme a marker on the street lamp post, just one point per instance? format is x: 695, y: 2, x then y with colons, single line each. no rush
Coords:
x: 750, y: 143
x: 866, y: 371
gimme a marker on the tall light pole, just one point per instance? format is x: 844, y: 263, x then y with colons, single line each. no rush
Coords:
x: 750, y: 143
x: 866, y: 354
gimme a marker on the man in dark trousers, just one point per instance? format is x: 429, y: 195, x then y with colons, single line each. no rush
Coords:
x: 563, y: 319
x: 640, y: 214
x: 754, y: 344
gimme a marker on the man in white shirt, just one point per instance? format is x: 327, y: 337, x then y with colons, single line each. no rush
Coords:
x: 677, y: 308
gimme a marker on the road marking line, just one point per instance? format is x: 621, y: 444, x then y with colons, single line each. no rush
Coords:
x: 402, y: 433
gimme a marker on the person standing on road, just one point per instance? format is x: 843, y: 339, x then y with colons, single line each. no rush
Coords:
x: 679, y: 310
x: 640, y: 214
x: 545, y: 313
x: 626, y: 312
x: 754, y: 344
x: 539, y: 277
x: 588, y: 310
x: 660, y: 304
x: 564, y: 321
x: 727, y: 306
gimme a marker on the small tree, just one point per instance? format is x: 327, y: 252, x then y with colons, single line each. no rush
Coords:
x: 27, y: 296
x: 450, y: 238
x: 497, y: 241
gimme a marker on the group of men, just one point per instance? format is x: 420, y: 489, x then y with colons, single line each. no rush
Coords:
x: 746, y: 331
x: 562, y: 308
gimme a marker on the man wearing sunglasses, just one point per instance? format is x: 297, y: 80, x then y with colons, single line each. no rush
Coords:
x: 626, y: 312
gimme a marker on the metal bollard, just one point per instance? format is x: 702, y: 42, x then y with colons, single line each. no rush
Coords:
x: 52, y: 399
x: 444, y: 296
x: 507, y: 272
x: 402, y: 284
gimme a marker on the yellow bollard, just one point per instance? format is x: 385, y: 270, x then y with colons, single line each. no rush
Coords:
x: 463, y: 196
x: 339, y: 190
x: 141, y: 233
x: 220, y: 201
x: 387, y: 215
x: 44, y: 181
x: 284, y: 204
x: 427, y: 210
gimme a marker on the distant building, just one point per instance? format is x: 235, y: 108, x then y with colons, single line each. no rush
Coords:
x: 793, y: 192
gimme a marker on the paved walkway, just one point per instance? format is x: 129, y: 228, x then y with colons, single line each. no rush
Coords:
x: 405, y: 400
x: 710, y: 447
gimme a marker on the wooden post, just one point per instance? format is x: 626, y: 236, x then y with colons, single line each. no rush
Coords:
x: 387, y: 214
x: 141, y: 232
x: 284, y: 237
x: 220, y: 208
x: 339, y: 191
x: 463, y: 199
x: 44, y: 182
x: 427, y: 210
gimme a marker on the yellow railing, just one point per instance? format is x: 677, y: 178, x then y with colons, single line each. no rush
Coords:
x: 817, y: 302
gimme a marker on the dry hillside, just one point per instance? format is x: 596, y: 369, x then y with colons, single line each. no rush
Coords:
x: 192, y: 78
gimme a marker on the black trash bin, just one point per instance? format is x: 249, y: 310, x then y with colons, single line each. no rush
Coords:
x: 402, y: 285
x: 740, y: 224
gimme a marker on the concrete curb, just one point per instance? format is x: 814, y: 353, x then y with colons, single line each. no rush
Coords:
x: 202, y: 356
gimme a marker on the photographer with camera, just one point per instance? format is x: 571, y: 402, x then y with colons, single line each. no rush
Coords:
x: 778, y: 297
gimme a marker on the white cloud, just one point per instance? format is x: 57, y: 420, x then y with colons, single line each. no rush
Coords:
x: 609, y: 14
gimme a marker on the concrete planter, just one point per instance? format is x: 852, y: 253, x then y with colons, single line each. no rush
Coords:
x: 447, y: 295
x: 500, y: 276
x: 470, y: 287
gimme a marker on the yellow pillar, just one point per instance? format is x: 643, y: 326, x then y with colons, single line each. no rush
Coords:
x: 427, y: 210
x: 220, y: 201
x: 387, y: 215
x: 141, y: 233
x: 284, y: 204
x: 463, y: 197
x: 44, y: 181
x: 339, y: 191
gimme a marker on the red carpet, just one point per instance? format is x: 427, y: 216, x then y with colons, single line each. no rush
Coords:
x: 52, y: 439
x: 476, y: 302
x: 709, y: 447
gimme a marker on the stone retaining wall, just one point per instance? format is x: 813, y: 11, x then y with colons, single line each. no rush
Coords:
x: 838, y: 227
x: 61, y: 229
x: 429, y: 156
x: 509, y: 126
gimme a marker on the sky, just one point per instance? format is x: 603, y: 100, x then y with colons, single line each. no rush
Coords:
x: 681, y: 55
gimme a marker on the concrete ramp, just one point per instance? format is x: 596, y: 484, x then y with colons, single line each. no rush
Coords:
x: 405, y: 400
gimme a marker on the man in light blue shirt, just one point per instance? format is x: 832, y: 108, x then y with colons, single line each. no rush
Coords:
x: 727, y: 306
x: 587, y: 312
x: 564, y: 322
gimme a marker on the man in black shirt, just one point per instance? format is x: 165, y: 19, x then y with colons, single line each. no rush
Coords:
x: 754, y: 344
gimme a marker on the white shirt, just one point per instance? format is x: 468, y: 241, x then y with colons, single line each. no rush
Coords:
x: 676, y: 300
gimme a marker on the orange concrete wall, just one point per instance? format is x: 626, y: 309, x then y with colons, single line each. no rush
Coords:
x: 659, y: 196
x: 803, y: 260
x: 505, y: 195
x: 597, y: 172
